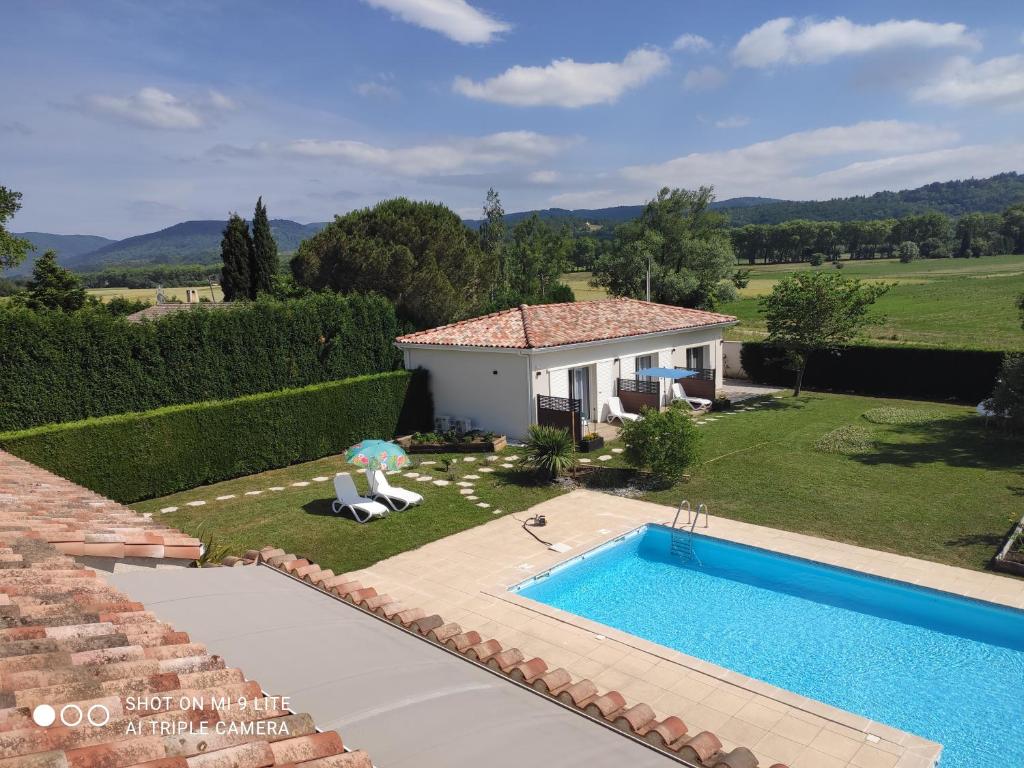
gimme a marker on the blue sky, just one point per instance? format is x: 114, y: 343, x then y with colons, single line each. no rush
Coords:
x: 122, y: 117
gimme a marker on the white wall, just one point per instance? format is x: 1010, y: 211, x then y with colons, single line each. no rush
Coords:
x: 464, y: 384
x: 731, y: 363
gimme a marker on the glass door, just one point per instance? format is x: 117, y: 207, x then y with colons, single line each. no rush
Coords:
x: 696, y: 357
x: 579, y: 388
x: 644, y: 361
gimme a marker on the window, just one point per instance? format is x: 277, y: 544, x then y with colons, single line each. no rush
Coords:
x: 697, y: 358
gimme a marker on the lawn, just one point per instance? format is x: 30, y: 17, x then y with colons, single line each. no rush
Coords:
x: 299, y: 518
x: 966, y: 303
x: 149, y: 294
x: 947, y: 489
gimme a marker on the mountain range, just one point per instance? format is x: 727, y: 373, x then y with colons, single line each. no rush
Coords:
x: 198, y: 242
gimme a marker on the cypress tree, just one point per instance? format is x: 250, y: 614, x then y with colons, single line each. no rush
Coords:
x: 264, y: 252
x: 236, y: 253
x: 53, y: 287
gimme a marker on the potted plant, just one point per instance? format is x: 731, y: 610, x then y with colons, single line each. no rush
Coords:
x: 591, y: 442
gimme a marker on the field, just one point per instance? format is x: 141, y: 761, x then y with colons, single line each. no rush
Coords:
x: 965, y: 303
x: 946, y: 489
x: 149, y: 294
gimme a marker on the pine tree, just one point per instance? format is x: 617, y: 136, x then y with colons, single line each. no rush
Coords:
x: 264, y: 252
x: 53, y: 287
x: 236, y: 253
x: 492, y: 236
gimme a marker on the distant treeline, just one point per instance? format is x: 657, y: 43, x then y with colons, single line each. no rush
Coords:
x: 933, y: 235
x: 167, y: 275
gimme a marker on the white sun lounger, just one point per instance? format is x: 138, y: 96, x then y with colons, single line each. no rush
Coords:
x: 396, y: 498
x: 616, y: 411
x: 696, y: 403
x: 362, y: 508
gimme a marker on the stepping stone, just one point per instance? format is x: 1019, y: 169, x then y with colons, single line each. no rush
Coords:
x: 412, y: 474
x: 469, y: 459
x: 472, y: 498
x: 485, y: 469
x: 320, y: 479
x: 441, y: 483
x: 492, y: 457
x: 495, y: 511
x: 427, y: 463
x: 196, y: 503
x: 227, y: 496
x: 617, y: 450
x: 466, y: 491
x: 585, y: 461
x: 423, y: 479
x: 165, y: 510
x: 701, y: 422
x: 483, y: 505
x: 277, y: 487
x: 464, y: 484
x: 300, y: 484
x: 472, y: 477
x: 506, y: 465
x: 361, y: 471
x: 253, y: 493
x: 605, y: 457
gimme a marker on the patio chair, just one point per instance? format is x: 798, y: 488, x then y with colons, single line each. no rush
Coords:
x: 362, y: 509
x: 397, y: 498
x: 616, y: 411
x: 696, y: 403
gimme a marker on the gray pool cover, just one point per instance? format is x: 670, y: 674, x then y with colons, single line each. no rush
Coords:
x: 403, y: 700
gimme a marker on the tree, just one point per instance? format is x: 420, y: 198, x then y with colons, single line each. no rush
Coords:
x: 811, y: 311
x: 419, y: 255
x: 665, y: 443
x: 688, y: 246
x: 493, y: 232
x: 12, y: 249
x: 236, y: 253
x: 1013, y: 227
x: 908, y: 251
x: 263, y: 267
x: 1008, y: 396
x: 536, y: 256
x: 53, y: 287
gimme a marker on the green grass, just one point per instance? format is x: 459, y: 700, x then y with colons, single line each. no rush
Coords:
x: 947, y: 489
x: 966, y: 303
x: 300, y: 519
x: 581, y: 288
x: 149, y: 294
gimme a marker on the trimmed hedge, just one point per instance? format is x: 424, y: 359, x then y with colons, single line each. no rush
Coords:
x: 966, y: 375
x: 61, y: 367
x: 137, y: 456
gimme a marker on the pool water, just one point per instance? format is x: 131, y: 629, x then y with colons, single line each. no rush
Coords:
x: 947, y: 668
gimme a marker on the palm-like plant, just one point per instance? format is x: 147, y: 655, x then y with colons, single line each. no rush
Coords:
x: 550, y: 450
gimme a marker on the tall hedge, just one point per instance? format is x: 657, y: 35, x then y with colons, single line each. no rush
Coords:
x: 136, y: 456
x: 966, y: 375
x: 60, y: 366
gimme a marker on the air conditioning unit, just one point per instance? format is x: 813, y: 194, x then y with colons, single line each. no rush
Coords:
x: 442, y: 423
x: 462, y: 426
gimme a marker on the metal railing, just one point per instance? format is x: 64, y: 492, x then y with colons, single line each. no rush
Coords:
x: 702, y: 374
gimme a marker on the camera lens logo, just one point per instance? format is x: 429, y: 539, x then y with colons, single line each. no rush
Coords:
x: 71, y: 715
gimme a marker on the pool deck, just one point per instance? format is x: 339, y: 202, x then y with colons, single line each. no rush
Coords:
x: 465, y: 578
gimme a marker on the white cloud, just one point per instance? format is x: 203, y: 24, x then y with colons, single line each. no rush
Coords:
x: 962, y: 82
x: 460, y: 155
x: 154, y: 108
x: 788, y: 41
x: 733, y: 121
x: 567, y: 83
x: 544, y: 177
x: 692, y: 43
x: 704, y: 79
x: 782, y: 166
x: 455, y: 19
x: 381, y: 86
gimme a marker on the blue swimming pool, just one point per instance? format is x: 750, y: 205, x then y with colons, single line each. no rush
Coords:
x: 946, y: 668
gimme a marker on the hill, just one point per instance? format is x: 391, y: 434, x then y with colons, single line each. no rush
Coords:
x: 66, y: 246
x: 189, y: 242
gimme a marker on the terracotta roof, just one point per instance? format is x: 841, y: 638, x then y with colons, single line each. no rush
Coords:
x: 162, y: 310
x: 669, y: 734
x: 552, y: 325
x: 37, y: 504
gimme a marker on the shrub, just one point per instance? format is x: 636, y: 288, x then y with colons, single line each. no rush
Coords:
x: 901, y: 415
x: 895, y: 371
x: 908, y: 251
x: 665, y: 443
x: 816, y: 259
x: 68, y: 366
x: 550, y: 450
x: 845, y: 440
x: 136, y: 456
x: 1008, y: 396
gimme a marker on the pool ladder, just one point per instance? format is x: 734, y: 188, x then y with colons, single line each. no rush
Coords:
x: 682, y: 539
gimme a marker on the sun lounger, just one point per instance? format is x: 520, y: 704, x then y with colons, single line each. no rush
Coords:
x: 362, y: 509
x: 397, y: 498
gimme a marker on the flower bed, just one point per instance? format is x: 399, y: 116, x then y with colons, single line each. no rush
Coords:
x: 1010, y: 558
x: 451, y: 442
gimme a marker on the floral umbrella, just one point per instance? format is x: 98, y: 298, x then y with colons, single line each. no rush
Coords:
x: 377, y: 454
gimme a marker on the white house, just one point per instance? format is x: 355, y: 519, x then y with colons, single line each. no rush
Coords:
x: 495, y: 369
